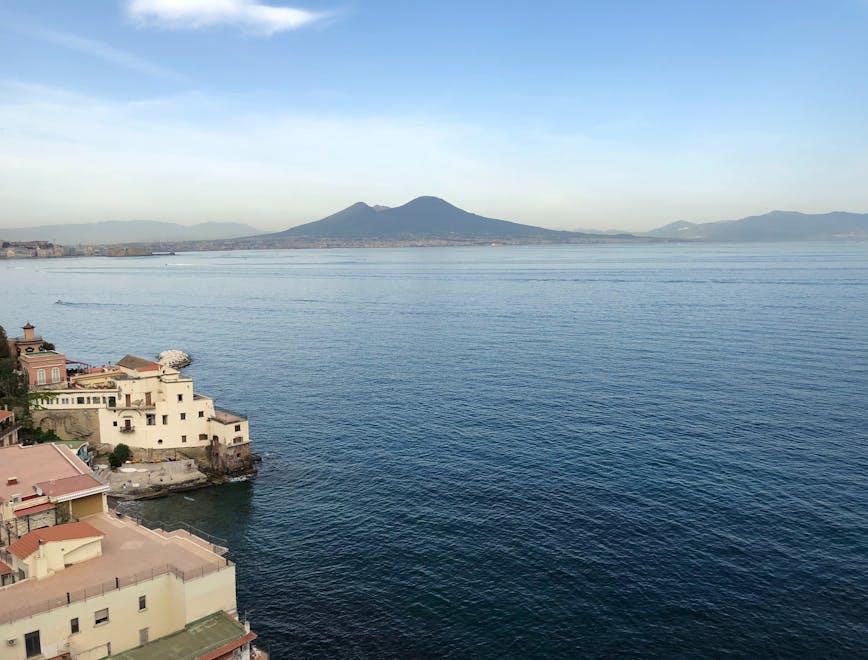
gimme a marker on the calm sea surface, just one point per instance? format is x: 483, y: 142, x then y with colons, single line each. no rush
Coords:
x: 517, y: 452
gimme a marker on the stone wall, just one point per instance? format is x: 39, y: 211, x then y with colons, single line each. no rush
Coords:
x: 214, y: 459
x: 80, y: 424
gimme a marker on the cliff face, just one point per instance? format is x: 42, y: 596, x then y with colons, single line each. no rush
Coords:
x: 69, y: 424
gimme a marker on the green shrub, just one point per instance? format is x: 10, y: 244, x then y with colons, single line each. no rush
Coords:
x: 120, y: 455
x: 31, y: 436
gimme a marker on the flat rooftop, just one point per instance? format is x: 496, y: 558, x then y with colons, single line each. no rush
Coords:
x: 54, y: 468
x: 130, y: 552
x: 198, y: 639
x: 227, y: 417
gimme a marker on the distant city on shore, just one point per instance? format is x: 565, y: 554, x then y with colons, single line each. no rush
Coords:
x: 422, y: 222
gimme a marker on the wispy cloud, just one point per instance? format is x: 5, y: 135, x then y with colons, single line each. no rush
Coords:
x: 250, y: 15
x: 100, y: 50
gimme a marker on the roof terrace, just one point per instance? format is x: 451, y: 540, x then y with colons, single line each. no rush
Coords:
x: 131, y: 554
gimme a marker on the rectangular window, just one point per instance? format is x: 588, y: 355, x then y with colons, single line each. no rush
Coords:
x: 115, y: 423
x: 143, y: 636
x: 55, y: 374
x: 203, y: 436
x: 180, y: 397
x: 73, y: 626
x: 238, y: 440
x: 151, y: 420
x: 143, y: 603
x: 32, y: 645
x: 183, y: 416
x: 183, y: 438
x: 238, y: 427
x: 79, y: 400
x: 40, y: 378
x: 201, y: 413
x: 165, y: 419
x: 100, y: 617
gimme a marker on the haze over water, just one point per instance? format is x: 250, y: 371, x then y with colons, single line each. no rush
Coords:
x: 516, y: 452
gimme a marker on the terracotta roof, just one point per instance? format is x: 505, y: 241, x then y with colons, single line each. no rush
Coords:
x: 4, y: 415
x: 137, y: 364
x: 29, y: 543
x: 38, y: 465
x: 29, y: 511
x: 4, y: 569
x: 59, y: 487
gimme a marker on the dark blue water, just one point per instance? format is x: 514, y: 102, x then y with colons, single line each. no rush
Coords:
x: 521, y: 452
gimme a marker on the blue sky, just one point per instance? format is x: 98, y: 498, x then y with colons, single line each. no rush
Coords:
x: 562, y: 114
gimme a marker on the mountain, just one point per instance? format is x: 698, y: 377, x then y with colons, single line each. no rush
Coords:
x: 422, y: 218
x: 133, y: 231
x: 774, y: 226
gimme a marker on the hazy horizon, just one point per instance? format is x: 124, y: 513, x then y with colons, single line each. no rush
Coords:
x: 619, y: 116
x: 276, y: 228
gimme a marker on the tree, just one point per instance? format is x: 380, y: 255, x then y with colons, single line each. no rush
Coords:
x: 120, y: 455
x: 4, y: 345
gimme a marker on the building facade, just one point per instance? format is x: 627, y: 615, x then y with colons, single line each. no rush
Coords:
x: 151, y: 408
x: 93, y: 584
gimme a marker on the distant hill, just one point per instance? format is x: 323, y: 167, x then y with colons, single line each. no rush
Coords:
x: 774, y: 226
x: 424, y: 217
x: 132, y: 231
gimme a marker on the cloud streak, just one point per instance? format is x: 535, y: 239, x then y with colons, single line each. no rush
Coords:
x: 252, y: 16
x: 102, y: 51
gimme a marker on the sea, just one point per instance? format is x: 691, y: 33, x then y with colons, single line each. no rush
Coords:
x: 594, y: 451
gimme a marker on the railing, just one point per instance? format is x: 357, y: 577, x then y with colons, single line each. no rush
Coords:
x: 127, y: 429
x: 99, y: 590
x: 216, y: 542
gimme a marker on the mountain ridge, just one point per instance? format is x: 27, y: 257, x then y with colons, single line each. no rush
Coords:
x: 422, y: 217
x: 108, y: 232
x: 771, y: 226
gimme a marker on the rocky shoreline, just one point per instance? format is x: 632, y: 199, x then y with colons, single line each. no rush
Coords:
x: 148, y: 481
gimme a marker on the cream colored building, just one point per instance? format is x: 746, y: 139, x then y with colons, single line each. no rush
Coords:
x: 97, y: 584
x: 148, y: 406
x: 106, y: 586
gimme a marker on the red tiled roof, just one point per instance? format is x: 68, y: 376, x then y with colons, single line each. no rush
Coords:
x: 4, y: 569
x: 135, y: 363
x: 29, y: 511
x: 4, y: 415
x: 67, y: 485
x: 28, y: 544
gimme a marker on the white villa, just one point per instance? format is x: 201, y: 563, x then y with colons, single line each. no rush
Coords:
x: 146, y: 406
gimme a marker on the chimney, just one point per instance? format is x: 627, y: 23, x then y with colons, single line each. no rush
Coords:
x: 11, y: 481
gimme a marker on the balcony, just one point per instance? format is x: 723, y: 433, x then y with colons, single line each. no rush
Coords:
x: 127, y: 429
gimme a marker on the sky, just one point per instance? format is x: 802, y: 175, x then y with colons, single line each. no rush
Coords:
x: 565, y: 114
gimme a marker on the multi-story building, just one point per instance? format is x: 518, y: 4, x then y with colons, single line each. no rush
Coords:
x: 100, y: 585
x: 44, y: 369
x: 42, y: 486
x: 151, y: 408
x: 8, y: 429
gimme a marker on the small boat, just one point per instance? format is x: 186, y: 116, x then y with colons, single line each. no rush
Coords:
x: 235, y: 480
